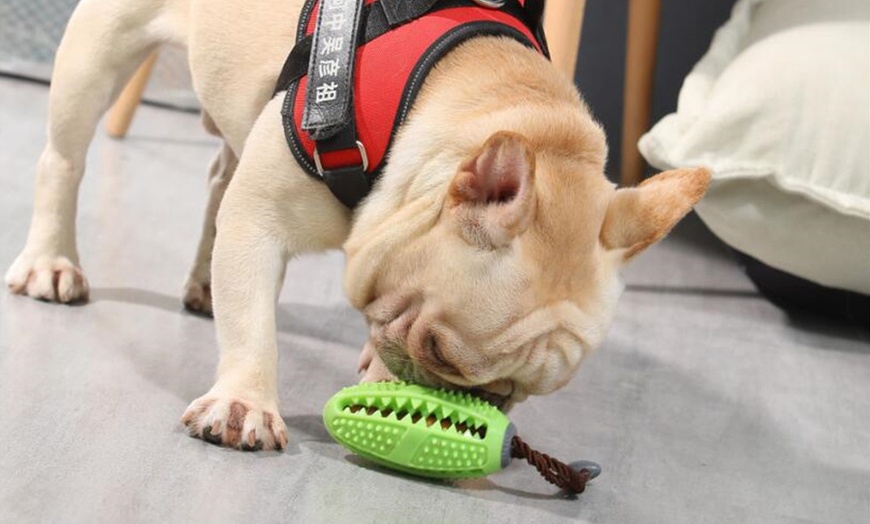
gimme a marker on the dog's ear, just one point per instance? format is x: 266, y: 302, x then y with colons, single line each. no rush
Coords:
x: 492, y: 196
x: 638, y: 217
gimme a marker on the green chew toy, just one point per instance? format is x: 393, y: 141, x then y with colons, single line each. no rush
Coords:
x: 437, y: 434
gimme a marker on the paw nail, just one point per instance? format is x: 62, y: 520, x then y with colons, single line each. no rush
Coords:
x: 257, y: 446
x: 208, y: 436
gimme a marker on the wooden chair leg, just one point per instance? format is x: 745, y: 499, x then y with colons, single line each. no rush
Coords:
x: 640, y: 59
x: 121, y: 113
x: 563, y: 22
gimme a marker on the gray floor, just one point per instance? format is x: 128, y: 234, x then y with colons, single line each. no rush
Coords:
x: 706, y: 404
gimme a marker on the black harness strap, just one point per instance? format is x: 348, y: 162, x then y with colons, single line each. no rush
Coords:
x: 398, y: 12
x: 535, y: 20
x: 328, y: 114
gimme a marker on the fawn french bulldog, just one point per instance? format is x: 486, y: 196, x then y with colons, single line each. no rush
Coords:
x: 486, y: 256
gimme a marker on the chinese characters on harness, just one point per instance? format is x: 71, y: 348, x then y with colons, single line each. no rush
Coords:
x: 332, y: 44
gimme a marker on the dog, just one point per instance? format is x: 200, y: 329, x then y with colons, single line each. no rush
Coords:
x: 486, y: 257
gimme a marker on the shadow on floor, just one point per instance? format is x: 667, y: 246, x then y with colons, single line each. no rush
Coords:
x: 187, y: 371
x: 340, y: 325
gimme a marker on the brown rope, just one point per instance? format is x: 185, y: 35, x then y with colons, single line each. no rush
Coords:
x: 554, y: 471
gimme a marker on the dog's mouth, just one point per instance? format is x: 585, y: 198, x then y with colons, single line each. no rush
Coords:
x: 406, y: 371
x: 389, y: 331
x: 502, y: 402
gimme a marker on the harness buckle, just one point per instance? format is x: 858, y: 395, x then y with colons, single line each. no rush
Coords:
x: 492, y: 4
x: 362, y: 153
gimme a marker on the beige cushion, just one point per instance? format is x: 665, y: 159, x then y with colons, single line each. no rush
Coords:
x: 779, y: 109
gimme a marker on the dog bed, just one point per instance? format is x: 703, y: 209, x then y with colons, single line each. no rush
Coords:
x: 779, y: 109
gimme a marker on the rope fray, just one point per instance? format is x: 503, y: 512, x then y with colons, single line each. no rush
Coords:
x: 555, y: 471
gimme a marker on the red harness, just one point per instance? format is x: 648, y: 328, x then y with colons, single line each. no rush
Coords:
x: 390, y: 66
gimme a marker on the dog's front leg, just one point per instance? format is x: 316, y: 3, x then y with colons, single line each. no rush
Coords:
x: 241, y: 409
x: 103, y: 44
x: 271, y: 212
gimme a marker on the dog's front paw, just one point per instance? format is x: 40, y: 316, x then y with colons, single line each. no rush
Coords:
x: 197, y: 296
x: 45, y: 277
x: 236, y: 422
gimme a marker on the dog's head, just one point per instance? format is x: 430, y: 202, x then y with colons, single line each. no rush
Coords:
x: 506, y: 281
